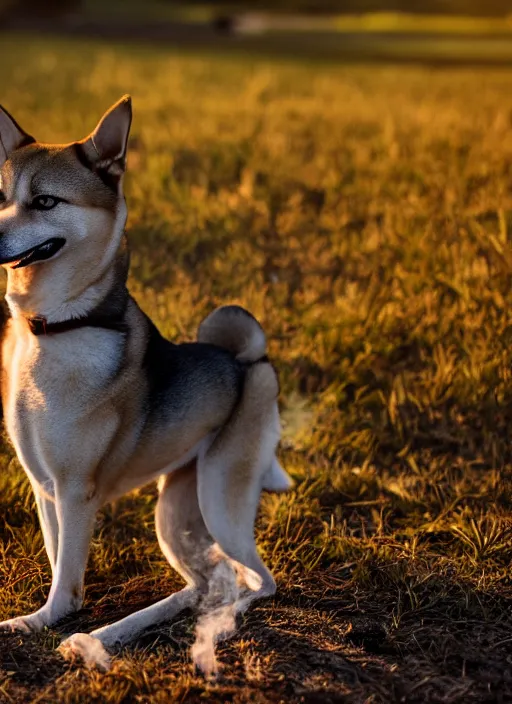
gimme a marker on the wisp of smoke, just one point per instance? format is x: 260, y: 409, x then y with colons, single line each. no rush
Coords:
x: 217, y: 618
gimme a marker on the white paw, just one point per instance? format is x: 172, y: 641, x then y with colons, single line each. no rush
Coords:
x: 15, y: 624
x: 24, y: 624
x: 86, y: 647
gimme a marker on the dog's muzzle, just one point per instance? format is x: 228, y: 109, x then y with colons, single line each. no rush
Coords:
x: 43, y: 251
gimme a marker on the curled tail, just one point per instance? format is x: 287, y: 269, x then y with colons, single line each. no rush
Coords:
x: 236, y: 330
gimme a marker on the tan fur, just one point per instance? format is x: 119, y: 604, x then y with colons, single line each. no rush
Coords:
x: 81, y: 408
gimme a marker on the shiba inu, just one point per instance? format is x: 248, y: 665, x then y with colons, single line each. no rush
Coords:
x: 96, y: 402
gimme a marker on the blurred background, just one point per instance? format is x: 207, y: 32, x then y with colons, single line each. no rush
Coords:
x: 343, y: 169
x: 432, y: 30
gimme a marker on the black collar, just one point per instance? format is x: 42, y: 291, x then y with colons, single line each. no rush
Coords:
x: 108, y: 314
x: 40, y: 326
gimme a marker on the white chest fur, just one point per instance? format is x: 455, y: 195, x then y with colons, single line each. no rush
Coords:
x: 55, y: 385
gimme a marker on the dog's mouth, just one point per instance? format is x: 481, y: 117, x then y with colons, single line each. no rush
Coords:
x: 43, y: 251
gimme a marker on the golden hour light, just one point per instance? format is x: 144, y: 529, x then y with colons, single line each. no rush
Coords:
x: 256, y: 351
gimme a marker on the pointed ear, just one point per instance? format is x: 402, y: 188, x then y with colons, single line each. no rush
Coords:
x: 11, y: 136
x: 105, y: 148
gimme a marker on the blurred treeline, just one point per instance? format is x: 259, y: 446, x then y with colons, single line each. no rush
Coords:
x: 456, y: 7
x: 41, y: 8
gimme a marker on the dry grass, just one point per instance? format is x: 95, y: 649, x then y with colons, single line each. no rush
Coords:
x: 364, y: 215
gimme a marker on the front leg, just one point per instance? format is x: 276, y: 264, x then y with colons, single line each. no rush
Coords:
x: 47, y: 510
x: 76, y: 511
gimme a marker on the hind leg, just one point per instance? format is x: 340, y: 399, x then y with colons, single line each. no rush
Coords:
x: 187, y: 545
x: 232, y: 473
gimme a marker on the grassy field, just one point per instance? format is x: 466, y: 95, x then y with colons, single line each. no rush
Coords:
x: 364, y: 214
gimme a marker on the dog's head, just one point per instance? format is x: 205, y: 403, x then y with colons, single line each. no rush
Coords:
x: 62, y: 209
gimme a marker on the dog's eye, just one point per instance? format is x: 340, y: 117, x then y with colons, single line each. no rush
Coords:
x: 44, y: 202
x: 2, y: 197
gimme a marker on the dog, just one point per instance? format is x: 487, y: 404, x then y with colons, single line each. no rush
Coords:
x: 97, y: 403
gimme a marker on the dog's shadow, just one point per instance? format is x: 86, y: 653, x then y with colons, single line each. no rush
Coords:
x: 31, y: 660
x: 308, y: 647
